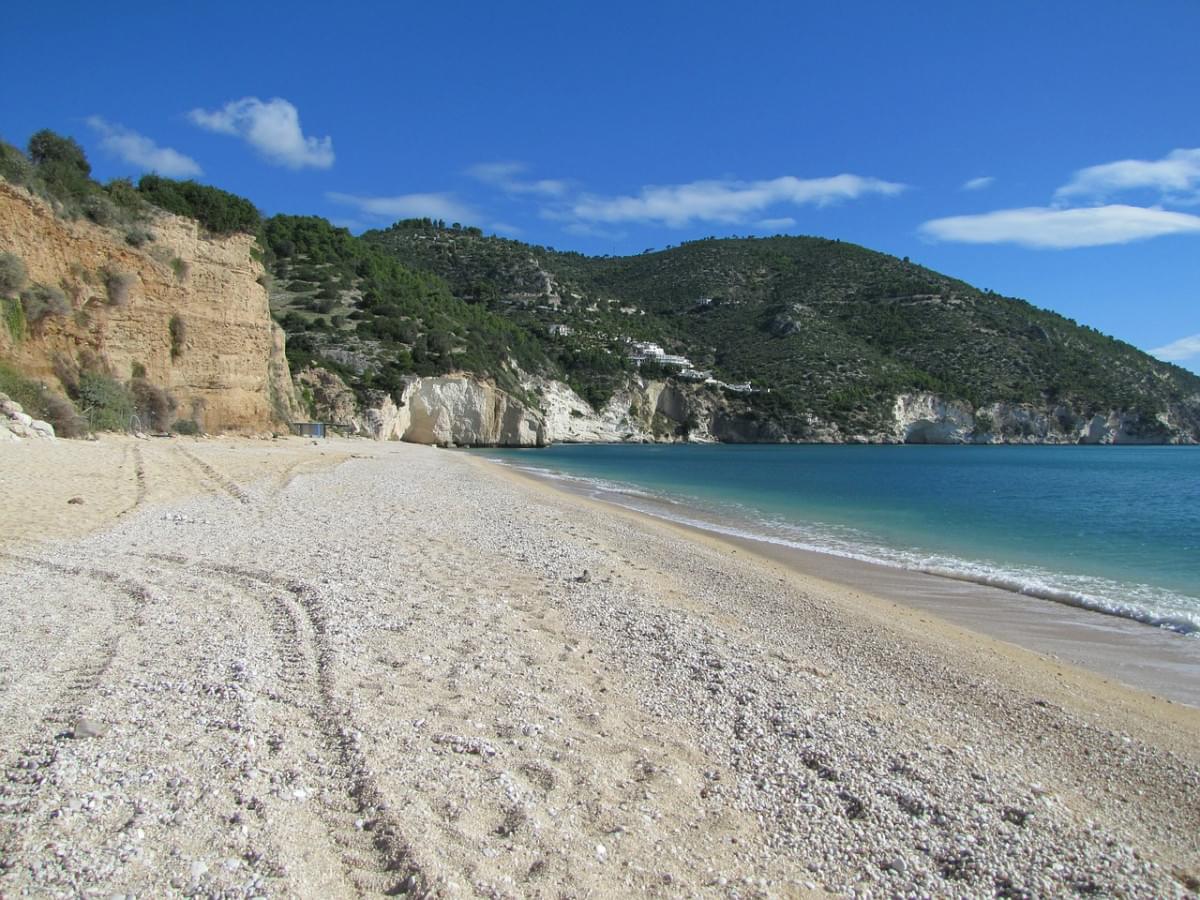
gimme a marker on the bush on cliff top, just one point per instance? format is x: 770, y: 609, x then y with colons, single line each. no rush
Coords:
x: 219, y: 211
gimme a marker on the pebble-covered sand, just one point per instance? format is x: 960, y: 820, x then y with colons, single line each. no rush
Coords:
x: 355, y: 669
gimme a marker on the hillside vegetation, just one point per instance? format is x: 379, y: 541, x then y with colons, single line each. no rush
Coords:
x: 826, y: 332
x: 834, y: 329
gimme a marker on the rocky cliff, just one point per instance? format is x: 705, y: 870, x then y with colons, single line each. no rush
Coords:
x: 463, y: 410
x: 929, y: 419
x: 185, y: 308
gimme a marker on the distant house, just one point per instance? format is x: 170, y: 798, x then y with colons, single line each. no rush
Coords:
x: 560, y: 330
x: 310, y: 429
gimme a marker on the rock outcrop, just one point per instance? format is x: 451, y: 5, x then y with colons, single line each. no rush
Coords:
x: 16, y: 424
x: 926, y: 418
x: 466, y: 411
x: 327, y: 398
x: 186, y: 308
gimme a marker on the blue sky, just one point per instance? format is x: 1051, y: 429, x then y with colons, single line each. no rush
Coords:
x: 1049, y: 151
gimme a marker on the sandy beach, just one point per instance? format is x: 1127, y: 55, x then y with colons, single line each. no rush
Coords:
x: 279, y: 668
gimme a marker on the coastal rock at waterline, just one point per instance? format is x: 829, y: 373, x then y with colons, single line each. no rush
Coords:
x: 928, y: 419
x: 570, y: 419
x: 461, y: 410
x: 925, y: 418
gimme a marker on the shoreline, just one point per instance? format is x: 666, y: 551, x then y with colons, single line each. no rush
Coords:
x: 1156, y: 660
x: 358, y: 668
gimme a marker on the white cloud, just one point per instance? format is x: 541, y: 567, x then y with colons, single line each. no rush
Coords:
x: 1176, y: 351
x: 978, y: 184
x: 727, y: 202
x: 504, y: 175
x: 271, y: 127
x: 139, y: 150
x: 409, y: 206
x: 582, y: 229
x: 782, y: 222
x: 506, y: 228
x: 1093, y: 226
x: 1175, y: 175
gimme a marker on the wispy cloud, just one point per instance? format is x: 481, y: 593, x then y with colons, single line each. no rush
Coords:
x: 272, y: 127
x: 725, y: 202
x: 1037, y: 226
x: 408, y: 206
x: 1176, y: 177
x: 782, y: 222
x: 507, y: 177
x: 583, y: 229
x: 141, y: 151
x: 1177, y: 351
x: 506, y: 228
x: 978, y: 184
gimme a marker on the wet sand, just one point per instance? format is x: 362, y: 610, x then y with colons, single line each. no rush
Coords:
x: 1156, y: 660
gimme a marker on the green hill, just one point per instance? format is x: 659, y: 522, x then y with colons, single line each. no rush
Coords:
x: 834, y: 329
x: 828, y: 333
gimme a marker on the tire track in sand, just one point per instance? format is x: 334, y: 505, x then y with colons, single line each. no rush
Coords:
x: 375, y: 857
x: 225, y: 483
x: 27, y: 766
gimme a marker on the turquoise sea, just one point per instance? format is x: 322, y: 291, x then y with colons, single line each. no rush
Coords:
x: 1114, y: 529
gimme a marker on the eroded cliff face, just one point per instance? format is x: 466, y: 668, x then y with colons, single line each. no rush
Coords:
x: 463, y: 410
x: 929, y: 419
x: 224, y: 366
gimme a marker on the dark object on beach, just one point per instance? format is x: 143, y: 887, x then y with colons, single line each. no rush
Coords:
x: 585, y: 577
x: 76, y: 501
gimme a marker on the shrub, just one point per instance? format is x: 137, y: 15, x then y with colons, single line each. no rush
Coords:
x: 14, y: 317
x: 119, y: 285
x: 178, y: 331
x: 154, y: 406
x: 106, y: 403
x: 42, y: 403
x: 138, y: 237
x: 15, y: 166
x: 40, y: 301
x: 125, y: 196
x: 62, y: 167
x: 47, y: 148
x: 137, y: 370
x: 185, y: 426
x: 181, y: 268
x: 100, y: 210
x: 219, y: 211
x: 62, y: 414
x: 13, y: 276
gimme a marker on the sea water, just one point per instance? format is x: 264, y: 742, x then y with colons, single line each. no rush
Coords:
x: 1112, y: 529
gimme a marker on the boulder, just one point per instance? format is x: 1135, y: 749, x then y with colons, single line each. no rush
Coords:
x: 42, y: 429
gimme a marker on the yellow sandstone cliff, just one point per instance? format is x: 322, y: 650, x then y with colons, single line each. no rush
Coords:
x: 224, y: 366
